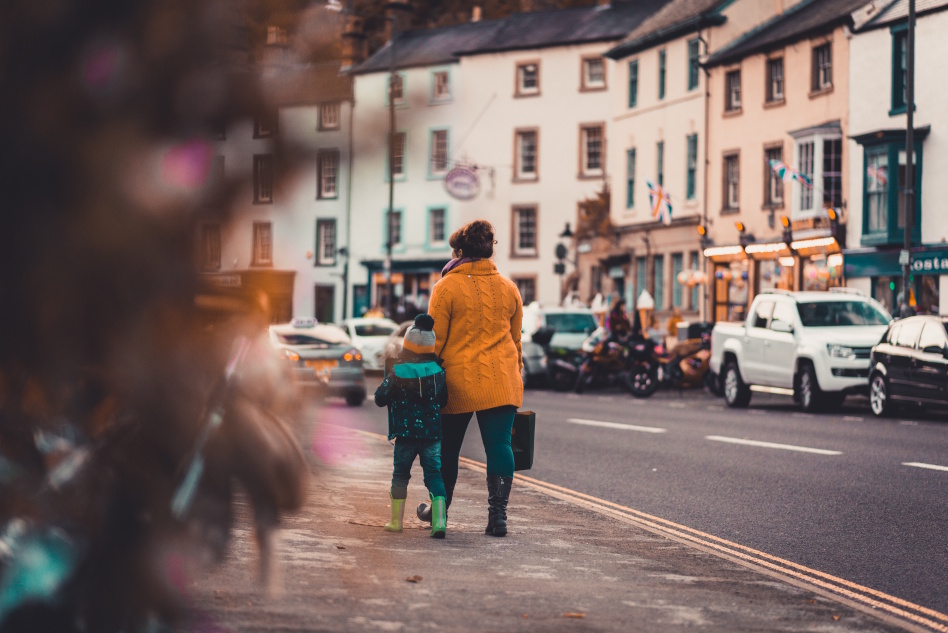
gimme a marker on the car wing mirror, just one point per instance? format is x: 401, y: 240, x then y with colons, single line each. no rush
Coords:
x: 782, y: 326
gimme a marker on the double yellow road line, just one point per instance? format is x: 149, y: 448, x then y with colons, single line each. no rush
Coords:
x: 909, y: 615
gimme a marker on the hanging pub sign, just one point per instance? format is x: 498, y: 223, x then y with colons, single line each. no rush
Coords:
x: 462, y: 183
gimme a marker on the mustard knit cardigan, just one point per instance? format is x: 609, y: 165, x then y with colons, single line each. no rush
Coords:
x: 480, y: 313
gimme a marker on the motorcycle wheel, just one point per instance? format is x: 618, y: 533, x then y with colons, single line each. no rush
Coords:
x: 562, y: 380
x: 583, y: 379
x: 713, y: 384
x: 641, y: 381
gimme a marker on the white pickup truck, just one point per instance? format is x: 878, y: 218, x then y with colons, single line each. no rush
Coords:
x: 813, y: 345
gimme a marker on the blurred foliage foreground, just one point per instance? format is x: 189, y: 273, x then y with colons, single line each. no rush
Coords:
x: 132, y: 401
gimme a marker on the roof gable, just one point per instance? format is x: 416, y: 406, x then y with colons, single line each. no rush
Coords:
x: 674, y: 19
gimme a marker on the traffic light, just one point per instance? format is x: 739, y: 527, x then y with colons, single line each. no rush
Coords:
x: 787, y: 231
x: 834, y: 223
x: 703, y: 235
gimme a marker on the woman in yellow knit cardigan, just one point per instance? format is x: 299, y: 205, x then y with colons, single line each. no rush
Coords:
x: 477, y: 317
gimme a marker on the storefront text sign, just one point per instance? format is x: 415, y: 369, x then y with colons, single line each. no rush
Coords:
x: 932, y: 263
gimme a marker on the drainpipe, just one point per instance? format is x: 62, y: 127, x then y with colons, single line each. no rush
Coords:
x: 705, y: 298
x: 345, y: 266
x: 905, y: 308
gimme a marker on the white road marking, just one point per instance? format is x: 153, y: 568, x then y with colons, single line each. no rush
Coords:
x: 714, y: 407
x: 677, y: 405
x: 801, y: 415
x: 606, y: 398
x: 616, y: 425
x: 928, y: 466
x: 785, y: 447
x: 779, y: 391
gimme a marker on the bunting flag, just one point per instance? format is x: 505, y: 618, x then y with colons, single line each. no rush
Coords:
x: 879, y: 175
x: 660, y: 201
x: 786, y: 172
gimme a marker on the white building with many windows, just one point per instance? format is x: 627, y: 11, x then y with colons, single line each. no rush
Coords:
x: 287, y: 227
x: 876, y: 229
x: 523, y: 104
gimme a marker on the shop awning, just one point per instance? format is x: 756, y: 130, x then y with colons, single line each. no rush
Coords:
x: 816, y: 246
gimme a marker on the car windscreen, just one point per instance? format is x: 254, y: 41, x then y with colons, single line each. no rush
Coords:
x: 571, y: 323
x: 841, y: 313
x: 303, y: 339
x: 374, y: 329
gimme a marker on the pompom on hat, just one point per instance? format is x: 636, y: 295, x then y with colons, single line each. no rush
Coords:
x: 420, y: 337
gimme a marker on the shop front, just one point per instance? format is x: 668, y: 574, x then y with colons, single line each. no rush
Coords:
x: 264, y: 291
x: 410, y: 285
x: 878, y: 272
x: 739, y: 272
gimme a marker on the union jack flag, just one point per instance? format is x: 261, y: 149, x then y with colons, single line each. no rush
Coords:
x: 879, y: 174
x: 660, y: 201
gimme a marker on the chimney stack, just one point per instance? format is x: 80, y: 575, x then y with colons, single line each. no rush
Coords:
x: 354, y: 44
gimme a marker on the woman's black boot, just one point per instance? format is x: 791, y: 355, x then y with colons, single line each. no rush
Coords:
x: 498, y: 492
x: 424, y: 509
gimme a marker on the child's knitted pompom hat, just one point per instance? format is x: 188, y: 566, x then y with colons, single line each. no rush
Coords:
x: 420, y: 337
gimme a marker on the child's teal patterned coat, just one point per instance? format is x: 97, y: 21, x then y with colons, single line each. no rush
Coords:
x: 415, y: 391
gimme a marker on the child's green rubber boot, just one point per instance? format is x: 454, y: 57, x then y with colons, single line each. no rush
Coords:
x: 438, y: 519
x: 398, y: 515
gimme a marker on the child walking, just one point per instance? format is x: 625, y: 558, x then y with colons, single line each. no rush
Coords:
x: 414, y: 392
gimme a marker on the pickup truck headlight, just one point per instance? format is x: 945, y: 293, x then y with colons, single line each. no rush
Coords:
x: 840, y: 351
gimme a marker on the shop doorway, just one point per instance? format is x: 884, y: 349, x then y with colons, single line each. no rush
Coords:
x: 325, y: 311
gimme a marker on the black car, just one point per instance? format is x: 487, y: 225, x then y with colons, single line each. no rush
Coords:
x: 910, y: 364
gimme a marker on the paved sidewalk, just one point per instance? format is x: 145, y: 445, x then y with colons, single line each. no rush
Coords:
x: 562, y: 567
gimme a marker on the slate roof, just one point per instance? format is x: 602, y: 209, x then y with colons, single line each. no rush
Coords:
x: 429, y: 47
x: 808, y: 18
x: 881, y: 13
x: 307, y: 84
x: 520, y: 31
x: 561, y: 27
x: 674, y: 19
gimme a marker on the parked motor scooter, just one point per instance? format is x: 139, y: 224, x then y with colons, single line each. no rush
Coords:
x: 607, y: 361
x: 561, y: 364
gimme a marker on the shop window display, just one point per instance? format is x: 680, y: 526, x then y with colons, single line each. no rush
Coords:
x: 731, y: 291
x: 822, y: 272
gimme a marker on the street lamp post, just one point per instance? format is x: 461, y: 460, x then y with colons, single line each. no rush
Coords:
x: 905, y: 308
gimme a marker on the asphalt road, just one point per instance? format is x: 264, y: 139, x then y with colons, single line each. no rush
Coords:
x: 845, y: 493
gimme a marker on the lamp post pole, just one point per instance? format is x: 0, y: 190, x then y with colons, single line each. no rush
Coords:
x: 905, y: 308
x: 389, y: 216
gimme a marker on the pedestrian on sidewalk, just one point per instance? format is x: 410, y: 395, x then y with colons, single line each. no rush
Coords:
x: 478, y: 315
x: 415, y: 391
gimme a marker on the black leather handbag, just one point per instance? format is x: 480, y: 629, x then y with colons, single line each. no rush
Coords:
x: 521, y: 439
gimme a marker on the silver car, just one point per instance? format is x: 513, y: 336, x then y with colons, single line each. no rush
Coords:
x: 322, y: 355
x: 369, y: 336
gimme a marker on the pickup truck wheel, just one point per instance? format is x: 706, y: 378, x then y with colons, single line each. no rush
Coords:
x: 736, y: 394
x: 811, y: 396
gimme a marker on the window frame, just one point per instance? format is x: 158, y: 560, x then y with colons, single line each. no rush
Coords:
x: 726, y: 206
x: 658, y: 281
x: 630, y: 178
x: 678, y: 292
x: 691, y: 166
x: 433, y: 96
x: 403, y: 174
x: 893, y: 234
x: 518, y: 174
x: 730, y: 106
x: 660, y: 163
x: 694, y: 67
x: 211, y: 246
x: 259, y: 245
x: 433, y: 172
x: 516, y: 250
x: 520, y: 90
x: 633, y: 83
x: 320, y: 258
x: 399, y: 215
x: 585, y: 171
x: 321, y: 193
x: 662, y: 72
x: 773, y: 83
x: 771, y: 179
x: 259, y: 174
x: 322, y: 124
x: 264, y: 125
x: 532, y: 278
x: 401, y: 101
x: 899, y: 74
x: 585, y: 84
x: 817, y: 87
x: 430, y: 242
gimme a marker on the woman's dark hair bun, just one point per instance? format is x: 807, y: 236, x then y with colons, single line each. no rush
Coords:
x: 475, y: 239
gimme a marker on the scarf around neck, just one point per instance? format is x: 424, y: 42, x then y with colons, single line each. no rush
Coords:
x: 454, y: 263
